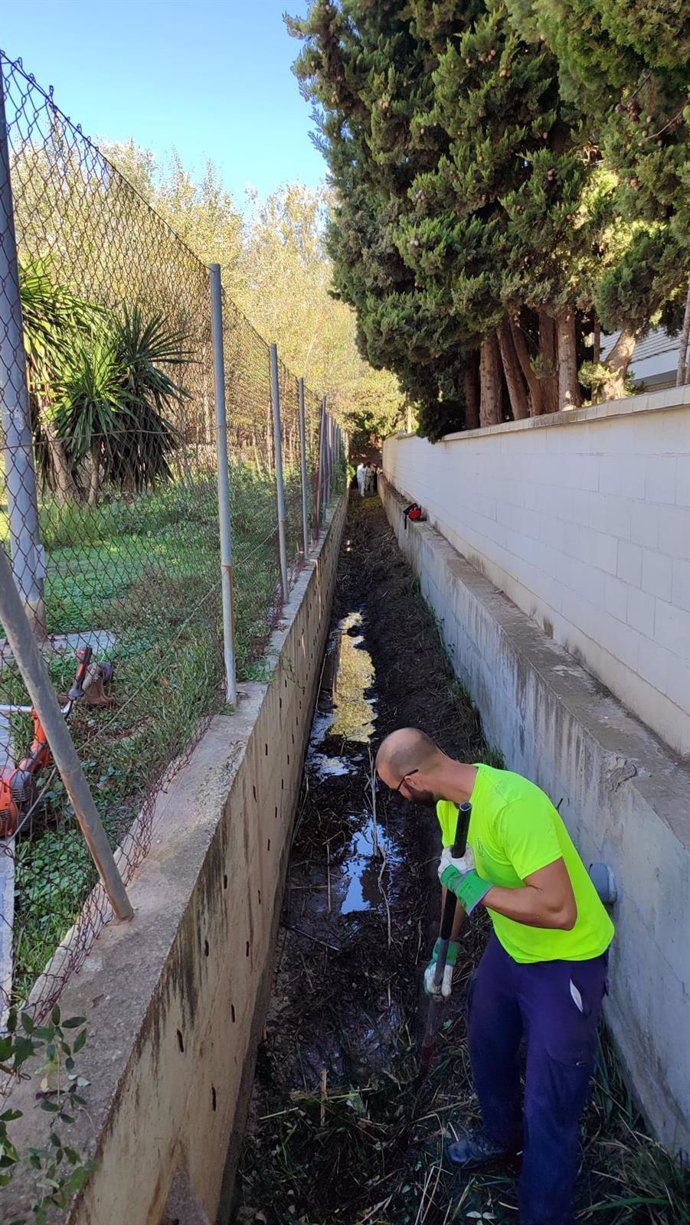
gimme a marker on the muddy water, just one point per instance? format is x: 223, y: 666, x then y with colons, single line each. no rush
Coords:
x: 342, y: 875
x: 360, y: 877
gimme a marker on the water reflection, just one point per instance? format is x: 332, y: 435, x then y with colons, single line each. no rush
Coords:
x: 344, y: 708
x: 363, y: 867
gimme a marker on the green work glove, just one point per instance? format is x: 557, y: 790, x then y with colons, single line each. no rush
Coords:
x: 430, y: 972
x: 460, y: 876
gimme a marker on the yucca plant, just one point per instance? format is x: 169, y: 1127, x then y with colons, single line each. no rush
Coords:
x: 91, y: 418
x: 56, y: 321
x: 116, y: 401
x: 145, y: 350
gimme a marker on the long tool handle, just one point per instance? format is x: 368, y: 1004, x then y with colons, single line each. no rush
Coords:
x: 459, y: 848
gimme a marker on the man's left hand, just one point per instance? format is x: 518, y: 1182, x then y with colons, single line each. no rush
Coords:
x: 461, y: 877
x: 463, y: 865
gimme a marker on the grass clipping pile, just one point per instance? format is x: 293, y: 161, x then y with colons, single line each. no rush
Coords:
x: 342, y: 1128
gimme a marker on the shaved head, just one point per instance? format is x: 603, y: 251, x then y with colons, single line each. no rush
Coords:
x: 417, y: 770
x: 406, y: 750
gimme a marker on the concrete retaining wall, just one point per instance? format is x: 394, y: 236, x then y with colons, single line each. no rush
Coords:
x: 176, y: 999
x: 583, y: 519
x: 625, y: 799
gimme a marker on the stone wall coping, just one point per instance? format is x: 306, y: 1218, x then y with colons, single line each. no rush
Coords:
x: 654, y: 401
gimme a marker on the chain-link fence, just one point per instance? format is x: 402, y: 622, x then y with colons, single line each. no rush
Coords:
x: 109, y: 511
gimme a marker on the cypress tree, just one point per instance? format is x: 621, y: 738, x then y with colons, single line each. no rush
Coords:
x: 627, y: 67
x: 474, y: 233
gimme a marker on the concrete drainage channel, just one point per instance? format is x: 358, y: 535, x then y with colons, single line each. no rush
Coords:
x: 341, y: 1129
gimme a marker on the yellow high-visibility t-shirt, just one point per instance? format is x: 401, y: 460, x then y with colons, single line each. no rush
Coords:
x: 514, y: 831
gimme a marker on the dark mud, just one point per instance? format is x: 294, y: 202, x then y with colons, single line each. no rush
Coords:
x: 342, y: 1129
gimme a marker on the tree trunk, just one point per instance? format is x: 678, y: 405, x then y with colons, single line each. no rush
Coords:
x: 95, y: 476
x: 515, y: 382
x: 471, y: 381
x: 515, y: 369
x: 65, y: 484
x: 683, y: 374
x: 596, y: 355
x: 617, y: 364
x: 490, y: 381
x: 568, y: 385
x: 547, y: 354
x: 536, y: 407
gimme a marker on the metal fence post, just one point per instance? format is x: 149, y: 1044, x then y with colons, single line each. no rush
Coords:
x: 303, y: 466
x: 35, y: 675
x: 329, y: 456
x: 280, y: 489
x: 224, y: 519
x: 324, y: 459
x: 316, y: 512
x: 22, y: 495
x: 326, y: 455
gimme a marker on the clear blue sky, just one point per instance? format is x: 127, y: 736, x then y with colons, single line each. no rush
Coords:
x: 210, y: 77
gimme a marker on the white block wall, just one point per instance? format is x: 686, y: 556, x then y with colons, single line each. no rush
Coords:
x: 583, y: 519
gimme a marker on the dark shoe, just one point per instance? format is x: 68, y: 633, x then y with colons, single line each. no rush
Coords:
x: 475, y: 1149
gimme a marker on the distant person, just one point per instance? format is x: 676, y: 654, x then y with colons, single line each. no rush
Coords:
x: 368, y: 481
x: 543, y: 974
x: 360, y: 478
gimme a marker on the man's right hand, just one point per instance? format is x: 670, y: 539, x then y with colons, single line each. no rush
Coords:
x: 430, y: 972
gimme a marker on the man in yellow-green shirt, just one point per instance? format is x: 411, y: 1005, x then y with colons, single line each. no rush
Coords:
x: 542, y: 977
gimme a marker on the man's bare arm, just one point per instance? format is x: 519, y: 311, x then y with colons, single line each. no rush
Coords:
x: 546, y: 900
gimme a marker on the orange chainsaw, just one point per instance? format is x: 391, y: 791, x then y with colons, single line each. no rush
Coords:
x: 18, y: 786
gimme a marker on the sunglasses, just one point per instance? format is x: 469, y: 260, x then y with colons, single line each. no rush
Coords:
x: 396, y: 790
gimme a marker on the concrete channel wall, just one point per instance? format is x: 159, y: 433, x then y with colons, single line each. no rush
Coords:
x: 623, y: 794
x: 583, y: 519
x: 176, y: 999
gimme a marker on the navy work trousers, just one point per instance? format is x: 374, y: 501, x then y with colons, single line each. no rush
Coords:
x: 555, y: 1006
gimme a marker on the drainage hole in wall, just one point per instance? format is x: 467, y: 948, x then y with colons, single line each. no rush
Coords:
x: 246, y: 952
x: 254, y: 792
x: 225, y: 880
x: 206, y: 948
x: 266, y: 750
x: 280, y: 703
x: 180, y: 1040
x: 259, y: 894
x: 232, y: 1013
x: 268, y: 845
x: 213, y: 1098
x: 288, y: 759
x: 282, y: 784
x: 276, y: 813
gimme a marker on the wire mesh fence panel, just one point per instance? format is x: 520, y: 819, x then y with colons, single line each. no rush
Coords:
x: 252, y: 487
x: 312, y: 412
x: 121, y: 472
x: 289, y: 417
x: 109, y: 513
